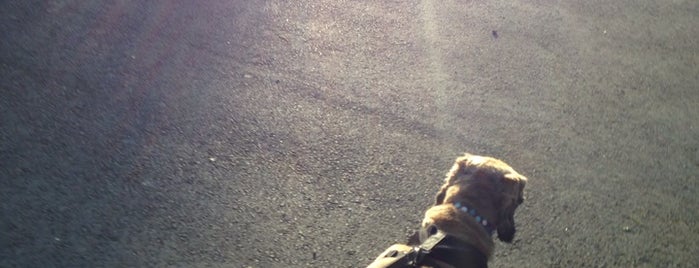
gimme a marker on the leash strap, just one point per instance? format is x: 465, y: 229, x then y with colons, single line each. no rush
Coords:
x: 417, y: 255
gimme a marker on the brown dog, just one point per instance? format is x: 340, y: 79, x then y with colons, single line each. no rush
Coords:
x: 479, y: 196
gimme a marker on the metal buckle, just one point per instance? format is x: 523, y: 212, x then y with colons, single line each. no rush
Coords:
x: 418, y: 255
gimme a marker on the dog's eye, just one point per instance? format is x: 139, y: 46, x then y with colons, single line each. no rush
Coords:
x: 520, y: 200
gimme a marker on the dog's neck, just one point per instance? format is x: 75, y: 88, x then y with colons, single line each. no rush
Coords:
x: 471, y: 211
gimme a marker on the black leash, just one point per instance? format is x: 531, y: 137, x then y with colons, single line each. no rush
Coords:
x: 417, y: 255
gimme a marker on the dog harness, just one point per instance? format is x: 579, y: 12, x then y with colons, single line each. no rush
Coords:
x: 472, y: 211
x: 439, y: 250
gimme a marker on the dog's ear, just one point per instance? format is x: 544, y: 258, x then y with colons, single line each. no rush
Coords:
x: 511, y: 197
x: 513, y: 189
x: 506, y: 229
x: 440, y: 195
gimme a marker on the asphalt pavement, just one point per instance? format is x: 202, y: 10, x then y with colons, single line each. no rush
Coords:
x: 316, y: 133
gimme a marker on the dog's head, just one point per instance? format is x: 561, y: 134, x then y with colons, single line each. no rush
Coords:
x: 489, y: 184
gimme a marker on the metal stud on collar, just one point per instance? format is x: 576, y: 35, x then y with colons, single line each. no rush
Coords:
x: 472, y: 212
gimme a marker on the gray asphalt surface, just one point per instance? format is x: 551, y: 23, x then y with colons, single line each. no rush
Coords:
x: 315, y: 134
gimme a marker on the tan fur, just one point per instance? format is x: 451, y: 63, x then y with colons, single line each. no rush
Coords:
x: 491, y: 186
x: 487, y: 184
